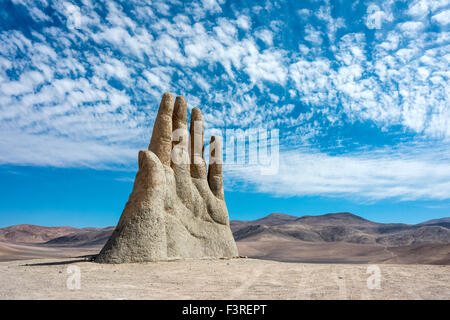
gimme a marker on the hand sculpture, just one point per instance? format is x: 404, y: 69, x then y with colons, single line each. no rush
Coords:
x: 176, y: 210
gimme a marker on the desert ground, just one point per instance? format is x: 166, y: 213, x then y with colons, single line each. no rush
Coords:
x: 243, y: 278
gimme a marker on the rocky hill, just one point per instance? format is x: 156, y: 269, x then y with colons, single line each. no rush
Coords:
x: 28, y: 233
x: 340, y: 227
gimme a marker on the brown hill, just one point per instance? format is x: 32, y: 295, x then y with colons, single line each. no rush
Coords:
x: 341, y: 227
x: 272, y: 219
x: 28, y: 233
x: 55, y: 236
x: 443, y: 222
x: 344, y: 238
x: 436, y: 221
x: 341, y: 218
x: 88, y: 237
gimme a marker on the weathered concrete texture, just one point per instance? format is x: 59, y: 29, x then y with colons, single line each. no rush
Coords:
x: 175, y: 210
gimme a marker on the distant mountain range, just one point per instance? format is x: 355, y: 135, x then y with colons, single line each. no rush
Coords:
x: 28, y: 233
x: 335, y: 237
x: 32, y: 234
x: 343, y: 238
x: 342, y: 227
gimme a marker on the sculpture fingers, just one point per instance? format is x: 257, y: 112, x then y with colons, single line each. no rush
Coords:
x: 215, y: 178
x: 180, y: 137
x: 161, y: 141
x: 198, y: 165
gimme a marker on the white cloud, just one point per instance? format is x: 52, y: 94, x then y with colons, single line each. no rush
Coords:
x: 312, y: 79
x: 244, y: 22
x: 304, y: 13
x: 31, y: 149
x: 443, y: 18
x: 313, y: 35
x: 164, y: 8
x: 392, y: 41
x: 266, y: 66
x: 266, y: 36
x: 333, y: 24
x: 200, y: 10
x: 418, y: 8
x: 374, y: 175
x: 211, y: 5
x: 411, y: 27
x: 421, y: 8
x: 113, y: 68
x: 159, y: 77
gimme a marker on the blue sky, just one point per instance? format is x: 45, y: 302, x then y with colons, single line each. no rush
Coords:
x: 359, y: 91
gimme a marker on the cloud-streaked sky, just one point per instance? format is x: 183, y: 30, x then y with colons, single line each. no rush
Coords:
x: 359, y: 91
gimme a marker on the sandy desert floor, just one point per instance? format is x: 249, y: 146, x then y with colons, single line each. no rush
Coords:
x: 218, y: 279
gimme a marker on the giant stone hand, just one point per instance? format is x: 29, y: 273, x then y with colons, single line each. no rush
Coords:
x: 176, y: 209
